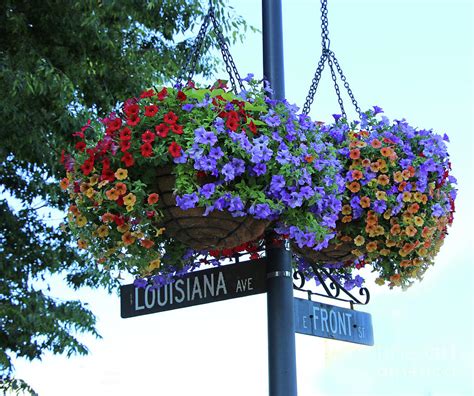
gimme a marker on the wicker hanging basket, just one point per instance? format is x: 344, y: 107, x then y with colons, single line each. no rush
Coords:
x: 334, y: 253
x: 218, y: 230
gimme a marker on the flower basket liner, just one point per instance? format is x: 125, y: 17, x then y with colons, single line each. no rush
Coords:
x: 217, y: 230
x: 332, y: 254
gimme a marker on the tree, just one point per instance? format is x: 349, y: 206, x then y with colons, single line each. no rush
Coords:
x: 60, y: 61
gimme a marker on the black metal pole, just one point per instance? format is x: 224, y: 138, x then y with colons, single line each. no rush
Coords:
x: 281, y: 326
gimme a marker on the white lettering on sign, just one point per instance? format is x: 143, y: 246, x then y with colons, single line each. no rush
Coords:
x: 149, y: 303
x: 221, y: 284
x: 183, y: 290
x: 334, y: 322
x: 244, y: 285
x: 137, y: 306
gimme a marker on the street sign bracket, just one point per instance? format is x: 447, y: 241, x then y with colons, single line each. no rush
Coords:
x: 329, y: 287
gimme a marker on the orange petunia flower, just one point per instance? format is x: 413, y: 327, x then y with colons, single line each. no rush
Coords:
x: 385, y: 252
x: 103, y: 231
x: 128, y: 238
x: 376, y: 143
x: 383, y: 180
x: 354, y: 154
x: 354, y: 187
x: 129, y: 199
x: 406, y: 263
x: 374, y: 167
x: 121, y: 174
x: 112, y: 194
x: 357, y: 175
x: 82, y: 244
x: 346, y: 209
x: 153, y: 198
x: 386, y: 151
x: 365, y: 162
x: 396, y: 229
x: 413, y: 208
x: 359, y: 240
x: 147, y: 243
x: 364, y: 202
x: 64, y: 183
x: 422, y: 252
x: 402, y: 186
x: 406, y: 196
x: 397, y: 176
x: 396, y: 279
x: 121, y: 188
x: 346, y: 219
x: 406, y: 174
x: 371, y: 246
x: 107, y: 217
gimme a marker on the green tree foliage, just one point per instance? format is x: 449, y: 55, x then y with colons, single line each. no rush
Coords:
x: 60, y: 60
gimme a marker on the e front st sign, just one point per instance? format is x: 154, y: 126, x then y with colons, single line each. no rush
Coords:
x: 200, y: 287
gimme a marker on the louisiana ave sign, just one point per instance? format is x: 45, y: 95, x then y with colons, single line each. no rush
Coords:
x: 329, y: 321
x: 201, y: 287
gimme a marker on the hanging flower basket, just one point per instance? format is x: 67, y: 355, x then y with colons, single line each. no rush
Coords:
x: 216, y: 230
x: 183, y: 171
x: 398, y: 199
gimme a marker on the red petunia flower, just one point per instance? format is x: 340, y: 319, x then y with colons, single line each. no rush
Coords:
x: 147, y: 94
x: 181, y: 96
x: 124, y: 145
x: 107, y: 174
x: 162, y: 130
x: 133, y: 121
x: 232, y: 124
x: 87, y: 167
x: 80, y: 146
x: 131, y: 110
x: 175, y: 150
x: 170, y: 118
x: 162, y: 94
x: 146, y: 150
x: 233, y: 114
x: 148, y: 136
x: 253, y: 127
x: 151, y: 110
x: 114, y: 125
x: 178, y: 129
x: 125, y: 134
x: 127, y: 159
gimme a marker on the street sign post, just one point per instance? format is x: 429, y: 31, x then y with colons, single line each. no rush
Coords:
x: 200, y: 287
x: 329, y: 321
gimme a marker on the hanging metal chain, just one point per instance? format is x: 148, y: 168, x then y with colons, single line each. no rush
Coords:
x: 195, y: 52
x: 228, y: 60
x: 328, y: 56
x: 346, y: 83
x: 314, y: 83
x: 324, y: 25
x: 336, y: 87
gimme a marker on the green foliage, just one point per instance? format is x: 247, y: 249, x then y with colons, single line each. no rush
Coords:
x: 58, y: 62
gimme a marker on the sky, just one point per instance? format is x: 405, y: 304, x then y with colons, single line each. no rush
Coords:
x: 413, y: 58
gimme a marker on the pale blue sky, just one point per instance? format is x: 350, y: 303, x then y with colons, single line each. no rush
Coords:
x: 415, y: 60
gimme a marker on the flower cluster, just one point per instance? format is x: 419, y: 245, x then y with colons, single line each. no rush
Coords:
x: 399, y: 195
x: 244, y: 154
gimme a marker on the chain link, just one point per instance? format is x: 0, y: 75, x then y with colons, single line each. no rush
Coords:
x: 195, y: 52
x: 328, y: 56
x: 314, y: 83
x: 346, y: 84
x: 336, y: 87
x: 228, y: 60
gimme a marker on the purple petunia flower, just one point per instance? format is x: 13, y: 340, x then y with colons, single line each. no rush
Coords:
x: 228, y: 171
x: 187, y: 107
x: 380, y: 206
x: 260, y: 169
x: 187, y: 201
x: 204, y: 137
x: 377, y: 110
x: 207, y: 190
